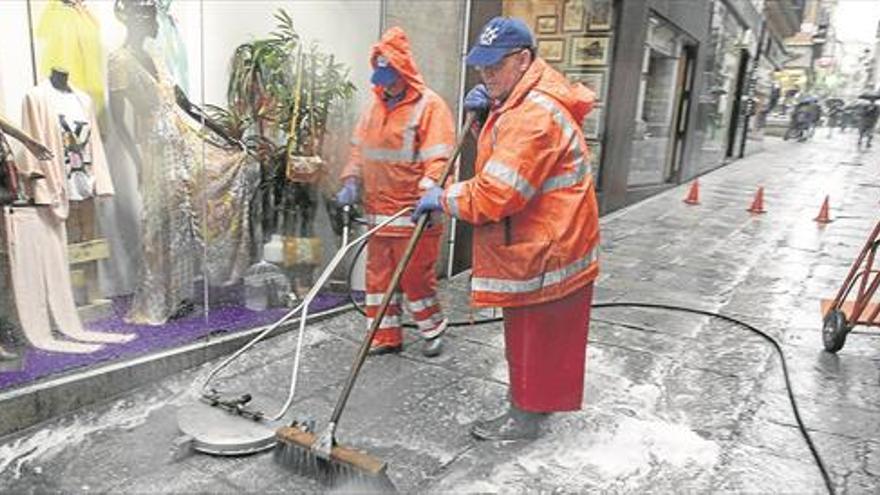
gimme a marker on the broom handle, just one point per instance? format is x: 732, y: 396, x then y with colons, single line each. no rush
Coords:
x: 293, y: 133
x: 395, y: 279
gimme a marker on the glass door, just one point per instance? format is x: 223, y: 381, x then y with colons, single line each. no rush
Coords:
x: 684, y: 85
x: 664, y: 75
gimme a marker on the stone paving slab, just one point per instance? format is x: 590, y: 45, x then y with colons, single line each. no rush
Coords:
x: 673, y: 402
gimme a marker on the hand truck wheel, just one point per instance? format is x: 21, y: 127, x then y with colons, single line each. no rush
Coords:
x: 834, y: 330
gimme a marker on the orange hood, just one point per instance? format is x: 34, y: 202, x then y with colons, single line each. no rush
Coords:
x: 576, y: 98
x: 394, y: 46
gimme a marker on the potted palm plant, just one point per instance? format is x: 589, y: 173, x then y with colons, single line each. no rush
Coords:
x: 282, y: 92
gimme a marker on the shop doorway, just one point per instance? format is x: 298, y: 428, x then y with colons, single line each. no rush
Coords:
x: 686, y: 63
x: 736, y: 126
x: 661, y: 121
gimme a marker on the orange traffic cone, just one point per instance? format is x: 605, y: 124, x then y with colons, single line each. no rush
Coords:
x: 758, y: 202
x: 693, y: 197
x: 823, y: 213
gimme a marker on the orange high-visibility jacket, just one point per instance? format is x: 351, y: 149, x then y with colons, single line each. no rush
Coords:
x: 532, y: 201
x: 398, y: 151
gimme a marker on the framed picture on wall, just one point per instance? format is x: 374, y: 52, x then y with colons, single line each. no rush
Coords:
x: 547, y: 24
x: 593, y: 123
x: 593, y: 79
x: 600, y: 15
x: 573, y: 16
x: 589, y: 50
x: 543, y: 8
x: 551, y: 50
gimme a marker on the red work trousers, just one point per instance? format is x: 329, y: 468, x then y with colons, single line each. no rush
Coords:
x: 546, y: 348
x: 418, y: 284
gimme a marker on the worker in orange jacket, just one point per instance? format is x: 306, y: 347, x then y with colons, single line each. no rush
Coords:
x: 399, y: 149
x: 536, y: 224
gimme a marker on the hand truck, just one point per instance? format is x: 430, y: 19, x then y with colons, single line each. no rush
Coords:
x: 840, y: 315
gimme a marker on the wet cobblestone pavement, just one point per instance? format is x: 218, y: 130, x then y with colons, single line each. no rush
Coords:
x: 673, y: 403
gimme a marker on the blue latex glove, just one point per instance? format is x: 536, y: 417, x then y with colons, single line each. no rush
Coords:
x: 478, y: 100
x: 430, y: 201
x: 348, y: 195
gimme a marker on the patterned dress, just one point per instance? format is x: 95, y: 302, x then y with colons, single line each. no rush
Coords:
x: 195, y: 196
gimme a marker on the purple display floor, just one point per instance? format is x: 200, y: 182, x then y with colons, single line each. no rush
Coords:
x: 223, y: 318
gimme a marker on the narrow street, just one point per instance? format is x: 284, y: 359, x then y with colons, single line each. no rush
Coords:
x: 674, y: 402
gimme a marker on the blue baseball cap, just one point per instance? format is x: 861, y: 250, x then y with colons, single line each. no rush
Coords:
x: 499, y: 37
x: 384, y: 74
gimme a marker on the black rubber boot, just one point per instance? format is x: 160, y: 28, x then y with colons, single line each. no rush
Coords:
x: 515, y: 424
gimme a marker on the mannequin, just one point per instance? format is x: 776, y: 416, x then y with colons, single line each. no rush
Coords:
x: 178, y: 169
x: 141, y: 23
x: 63, y: 117
x: 59, y: 79
x: 41, y: 153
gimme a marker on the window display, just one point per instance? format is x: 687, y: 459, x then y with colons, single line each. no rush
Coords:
x: 176, y: 203
x: 34, y: 232
x: 715, y: 109
x: 166, y: 148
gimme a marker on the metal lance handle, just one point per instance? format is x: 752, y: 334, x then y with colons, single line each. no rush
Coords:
x: 325, y: 442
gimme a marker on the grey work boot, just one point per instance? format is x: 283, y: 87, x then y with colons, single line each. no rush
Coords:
x: 432, y: 347
x: 515, y: 424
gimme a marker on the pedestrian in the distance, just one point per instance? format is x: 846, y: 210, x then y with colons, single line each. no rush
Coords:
x: 400, y: 147
x: 867, y: 123
x: 536, y: 224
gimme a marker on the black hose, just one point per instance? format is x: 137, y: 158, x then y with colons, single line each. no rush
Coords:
x: 768, y: 338
x: 667, y: 307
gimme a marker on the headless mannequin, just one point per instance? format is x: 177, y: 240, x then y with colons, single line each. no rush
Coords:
x: 42, y: 153
x: 59, y: 79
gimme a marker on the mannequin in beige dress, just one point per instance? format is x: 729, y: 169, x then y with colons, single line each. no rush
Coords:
x: 174, y: 166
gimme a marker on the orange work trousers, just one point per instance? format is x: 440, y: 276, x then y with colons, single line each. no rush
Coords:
x: 418, y: 284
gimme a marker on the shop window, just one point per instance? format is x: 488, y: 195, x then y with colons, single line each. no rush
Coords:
x: 196, y: 144
x: 716, y: 102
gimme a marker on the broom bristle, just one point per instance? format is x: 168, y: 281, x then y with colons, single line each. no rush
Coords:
x: 346, y: 466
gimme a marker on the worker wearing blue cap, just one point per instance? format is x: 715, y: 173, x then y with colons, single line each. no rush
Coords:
x: 536, y: 223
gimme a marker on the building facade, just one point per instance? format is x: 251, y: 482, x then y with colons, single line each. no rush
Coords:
x: 679, y: 95
x: 683, y: 87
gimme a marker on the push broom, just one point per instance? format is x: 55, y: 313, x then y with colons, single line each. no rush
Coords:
x: 320, y: 456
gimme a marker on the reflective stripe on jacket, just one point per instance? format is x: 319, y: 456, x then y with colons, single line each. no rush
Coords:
x: 398, y: 152
x: 532, y: 200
